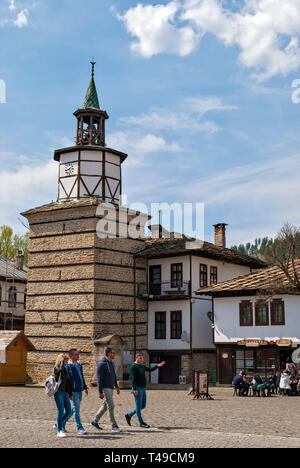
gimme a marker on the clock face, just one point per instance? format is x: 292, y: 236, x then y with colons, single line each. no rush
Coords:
x: 68, y: 169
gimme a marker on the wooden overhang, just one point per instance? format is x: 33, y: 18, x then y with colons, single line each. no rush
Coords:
x: 71, y: 149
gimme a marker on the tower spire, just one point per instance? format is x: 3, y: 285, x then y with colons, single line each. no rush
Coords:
x: 91, y: 97
x: 91, y: 119
x: 93, y: 63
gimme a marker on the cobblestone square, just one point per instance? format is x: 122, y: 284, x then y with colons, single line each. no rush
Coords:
x: 27, y: 417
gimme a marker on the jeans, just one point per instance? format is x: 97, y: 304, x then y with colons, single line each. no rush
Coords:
x: 64, y: 409
x: 77, y: 398
x: 107, y: 405
x: 140, y: 404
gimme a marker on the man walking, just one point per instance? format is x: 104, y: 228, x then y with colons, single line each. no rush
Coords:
x: 107, y: 381
x: 78, y: 385
x: 139, y: 382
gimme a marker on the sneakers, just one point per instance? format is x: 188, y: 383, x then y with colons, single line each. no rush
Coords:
x: 145, y: 426
x: 61, y: 435
x: 116, y: 429
x: 96, y: 425
x: 128, y: 419
x: 81, y: 432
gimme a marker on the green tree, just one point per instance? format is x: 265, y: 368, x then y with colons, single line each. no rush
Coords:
x: 11, y: 244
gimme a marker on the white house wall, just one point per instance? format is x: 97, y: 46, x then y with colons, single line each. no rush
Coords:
x: 168, y: 306
x: 202, y: 333
x: 202, y: 325
x: 227, y: 321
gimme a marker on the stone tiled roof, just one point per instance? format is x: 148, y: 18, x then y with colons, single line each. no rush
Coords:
x: 159, y: 248
x: 62, y: 206
x: 262, y: 280
x: 8, y: 270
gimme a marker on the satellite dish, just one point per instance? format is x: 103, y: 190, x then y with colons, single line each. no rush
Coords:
x: 185, y: 337
x: 296, y: 356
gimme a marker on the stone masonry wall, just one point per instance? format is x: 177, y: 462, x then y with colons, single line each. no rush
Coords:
x: 79, y: 287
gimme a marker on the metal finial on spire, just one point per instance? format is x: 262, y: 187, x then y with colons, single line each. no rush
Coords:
x: 93, y: 63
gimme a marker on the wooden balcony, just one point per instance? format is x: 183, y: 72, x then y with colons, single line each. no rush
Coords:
x: 164, y: 291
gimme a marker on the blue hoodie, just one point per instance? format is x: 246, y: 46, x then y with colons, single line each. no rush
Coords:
x: 106, y: 374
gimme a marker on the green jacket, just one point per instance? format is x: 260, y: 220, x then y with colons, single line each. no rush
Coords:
x: 138, y: 376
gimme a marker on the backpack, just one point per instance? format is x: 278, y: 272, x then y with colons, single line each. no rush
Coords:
x: 51, y: 386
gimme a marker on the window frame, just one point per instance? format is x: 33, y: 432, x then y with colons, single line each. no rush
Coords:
x: 203, y: 275
x: 12, y: 304
x: 176, y: 282
x: 158, y: 324
x: 241, y: 304
x: 257, y: 305
x: 213, y: 276
x: 175, y: 321
x: 273, y: 323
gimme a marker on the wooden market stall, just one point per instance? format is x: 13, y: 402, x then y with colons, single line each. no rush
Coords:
x: 14, y: 347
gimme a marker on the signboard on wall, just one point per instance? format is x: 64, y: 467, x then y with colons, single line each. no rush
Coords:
x: 252, y: 343
x: 284, y: 342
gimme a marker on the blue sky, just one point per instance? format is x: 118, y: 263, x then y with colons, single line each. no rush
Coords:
x: 198, y: 93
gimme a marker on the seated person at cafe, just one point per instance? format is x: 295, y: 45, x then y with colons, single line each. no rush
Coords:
x: 258, y: 385
x: 272, y: 383
x: 240, y: 384
x: 294, y: 384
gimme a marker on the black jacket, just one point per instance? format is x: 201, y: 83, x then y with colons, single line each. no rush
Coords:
x: 61, y: 371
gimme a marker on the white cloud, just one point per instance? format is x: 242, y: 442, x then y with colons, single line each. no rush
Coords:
x: 138, y: 145
x: 25, y: 188
x: 188, y: 116
x: 13, y: 14
x: 265, y: 31
x: 155, y: 28
x: 12, y: 5
x: 22, y: 19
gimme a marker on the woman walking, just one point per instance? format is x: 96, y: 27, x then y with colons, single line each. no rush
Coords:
x: 63, y: 395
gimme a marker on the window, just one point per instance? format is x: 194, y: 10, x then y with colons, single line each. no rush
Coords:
x: 261, y: 314
x: 176, y: 275
x: 245, y: 362
x: 0, y: 296
x: 277, y: 312
x: 203, y: 275
x: 246, y: 314
x: 176, y: 325
x: 160, y: 325
x: 12, y: 297
x: 213, y: 275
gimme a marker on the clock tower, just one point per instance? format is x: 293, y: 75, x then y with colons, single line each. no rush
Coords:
x: 90, y: 169
x: 82, y: 287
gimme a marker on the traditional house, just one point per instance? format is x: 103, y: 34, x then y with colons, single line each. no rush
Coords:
x: 12, y: 294
x: 256, y: 322
x: 179, y: 321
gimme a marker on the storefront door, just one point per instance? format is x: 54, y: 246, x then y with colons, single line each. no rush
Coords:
x: 226, y: 370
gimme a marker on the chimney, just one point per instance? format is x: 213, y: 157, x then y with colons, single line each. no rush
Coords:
x: 158, y: 231
x: 20, y: 260
x: 220, y: 234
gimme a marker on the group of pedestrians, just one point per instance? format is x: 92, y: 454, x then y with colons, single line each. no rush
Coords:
x: 68, y: 397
